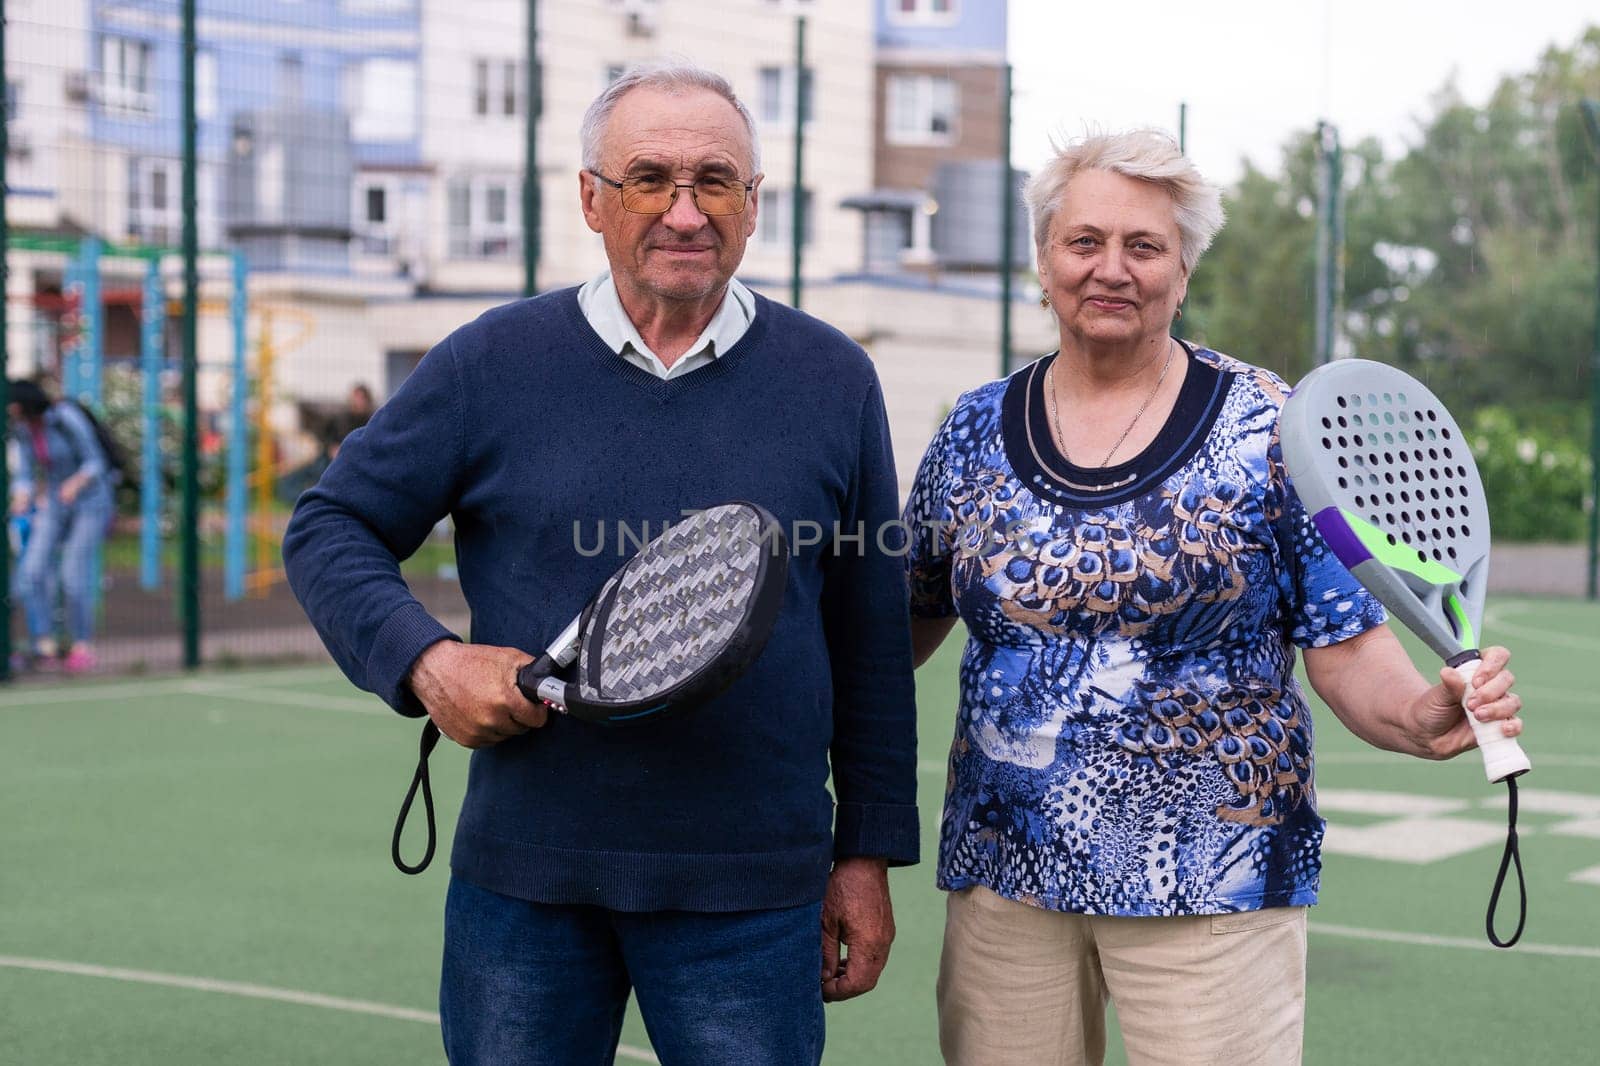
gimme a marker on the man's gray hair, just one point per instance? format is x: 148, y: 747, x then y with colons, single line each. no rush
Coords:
x: 1144, y: 155
x: 672, y: 76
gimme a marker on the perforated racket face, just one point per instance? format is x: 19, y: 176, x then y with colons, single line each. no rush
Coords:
x: 678, y: 605
x: 1387, y: 475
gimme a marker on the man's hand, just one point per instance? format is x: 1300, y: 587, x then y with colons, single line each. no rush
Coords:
x: 1437, y: 717
x: 470, y: 691
x: 856, y: 915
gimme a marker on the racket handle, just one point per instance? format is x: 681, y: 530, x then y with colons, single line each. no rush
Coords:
x: 539, y: 687
x: 1503, y: 757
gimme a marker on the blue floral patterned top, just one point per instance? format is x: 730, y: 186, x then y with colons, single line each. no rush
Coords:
x: 1130, y: 739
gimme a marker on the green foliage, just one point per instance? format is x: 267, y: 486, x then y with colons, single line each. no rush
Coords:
x: 1470, y: 261
x: 1535, y: 473
x: 122, y: 413
x: 1470, y: 258
x: 1250, y: 295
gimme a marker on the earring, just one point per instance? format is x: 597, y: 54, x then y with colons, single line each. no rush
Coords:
x: 1044, y: 300
x: 1179, y: 314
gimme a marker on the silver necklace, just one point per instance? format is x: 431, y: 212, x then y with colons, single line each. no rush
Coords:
x: 1055, y: 422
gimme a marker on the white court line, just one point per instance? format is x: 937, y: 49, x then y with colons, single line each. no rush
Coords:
x: 1387, y: 758
x: 1494, y: 619
x: 1424, y: 940
x: 289, y: 698
x: 165, y: 686
x: 250, y: 991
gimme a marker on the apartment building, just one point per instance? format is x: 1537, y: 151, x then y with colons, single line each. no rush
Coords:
x: 367, y: 158
x: 937, y: 139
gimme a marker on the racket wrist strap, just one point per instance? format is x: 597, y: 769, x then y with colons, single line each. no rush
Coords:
x: 1512, y: 857
x: 419, y: 780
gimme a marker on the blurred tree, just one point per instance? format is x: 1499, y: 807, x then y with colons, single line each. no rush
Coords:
x: 1468, y: 261
x: 1251, y: 294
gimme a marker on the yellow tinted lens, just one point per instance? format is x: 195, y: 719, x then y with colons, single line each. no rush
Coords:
x: 718, y: 196
x: 648, y: 196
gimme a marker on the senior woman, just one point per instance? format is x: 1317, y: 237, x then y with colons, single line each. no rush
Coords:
x: 1130, y: 812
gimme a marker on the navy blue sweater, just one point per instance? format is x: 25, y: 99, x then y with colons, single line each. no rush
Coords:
x: 525, y: 428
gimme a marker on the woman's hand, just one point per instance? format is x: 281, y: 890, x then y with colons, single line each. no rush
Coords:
x: 72, y: 487
x: 21, y: 502
x: 1441, y: 727
x: 1371, y: 684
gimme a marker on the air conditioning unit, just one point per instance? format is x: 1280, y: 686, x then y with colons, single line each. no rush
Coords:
x: 77, y: 86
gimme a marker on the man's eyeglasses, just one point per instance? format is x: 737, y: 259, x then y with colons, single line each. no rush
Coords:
x: 653, y: 194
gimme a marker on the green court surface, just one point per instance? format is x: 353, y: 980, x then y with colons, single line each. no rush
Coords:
x: 197, y: 871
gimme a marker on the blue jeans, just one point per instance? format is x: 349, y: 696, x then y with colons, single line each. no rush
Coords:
x: 59, y: 556
x: 533, y: 984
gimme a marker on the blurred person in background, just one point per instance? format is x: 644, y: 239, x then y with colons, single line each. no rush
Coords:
x: 358, y: 408
x: 62, y: 484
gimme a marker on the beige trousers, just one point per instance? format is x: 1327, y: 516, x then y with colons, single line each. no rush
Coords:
x: 1023, y: 986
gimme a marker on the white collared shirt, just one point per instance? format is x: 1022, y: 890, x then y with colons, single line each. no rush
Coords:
x: 602, y: 307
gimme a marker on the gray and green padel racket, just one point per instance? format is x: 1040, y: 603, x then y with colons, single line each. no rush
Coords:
x: 1390, y: 483
x: 673, y: 627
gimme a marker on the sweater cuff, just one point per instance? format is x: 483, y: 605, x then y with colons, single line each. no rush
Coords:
x: 406, y: 635
x: 878, y: 831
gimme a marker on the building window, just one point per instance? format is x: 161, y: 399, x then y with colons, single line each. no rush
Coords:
x: 381, y: 98
x: 153, y: 215
x: 291, y: 78
x: 13, y: 98
x: 923, y: 12
x: 775, y: 221
x: 374, y: 208
x: 777, y: 94
x: 496, y: 85
x: 485, y: 218
x: 922, y: 109
x: 125, y: 75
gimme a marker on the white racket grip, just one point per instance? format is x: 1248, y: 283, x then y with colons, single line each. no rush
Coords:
x: 1503, y: 757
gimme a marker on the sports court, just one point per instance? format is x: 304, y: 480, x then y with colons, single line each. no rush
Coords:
x: 197, y: 871
x: 231, y: 230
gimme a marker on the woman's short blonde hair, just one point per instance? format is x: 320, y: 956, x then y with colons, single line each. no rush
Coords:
x: 1144, y: 155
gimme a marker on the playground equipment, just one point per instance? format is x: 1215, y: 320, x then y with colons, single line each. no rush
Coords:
x: 268, y: 537
x: 82, y: 305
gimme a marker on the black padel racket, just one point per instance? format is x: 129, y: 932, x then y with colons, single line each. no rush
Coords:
x: 1392, y: 487
x: 675, y: 626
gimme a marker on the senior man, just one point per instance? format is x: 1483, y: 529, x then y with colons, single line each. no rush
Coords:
x: 699, y: 862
